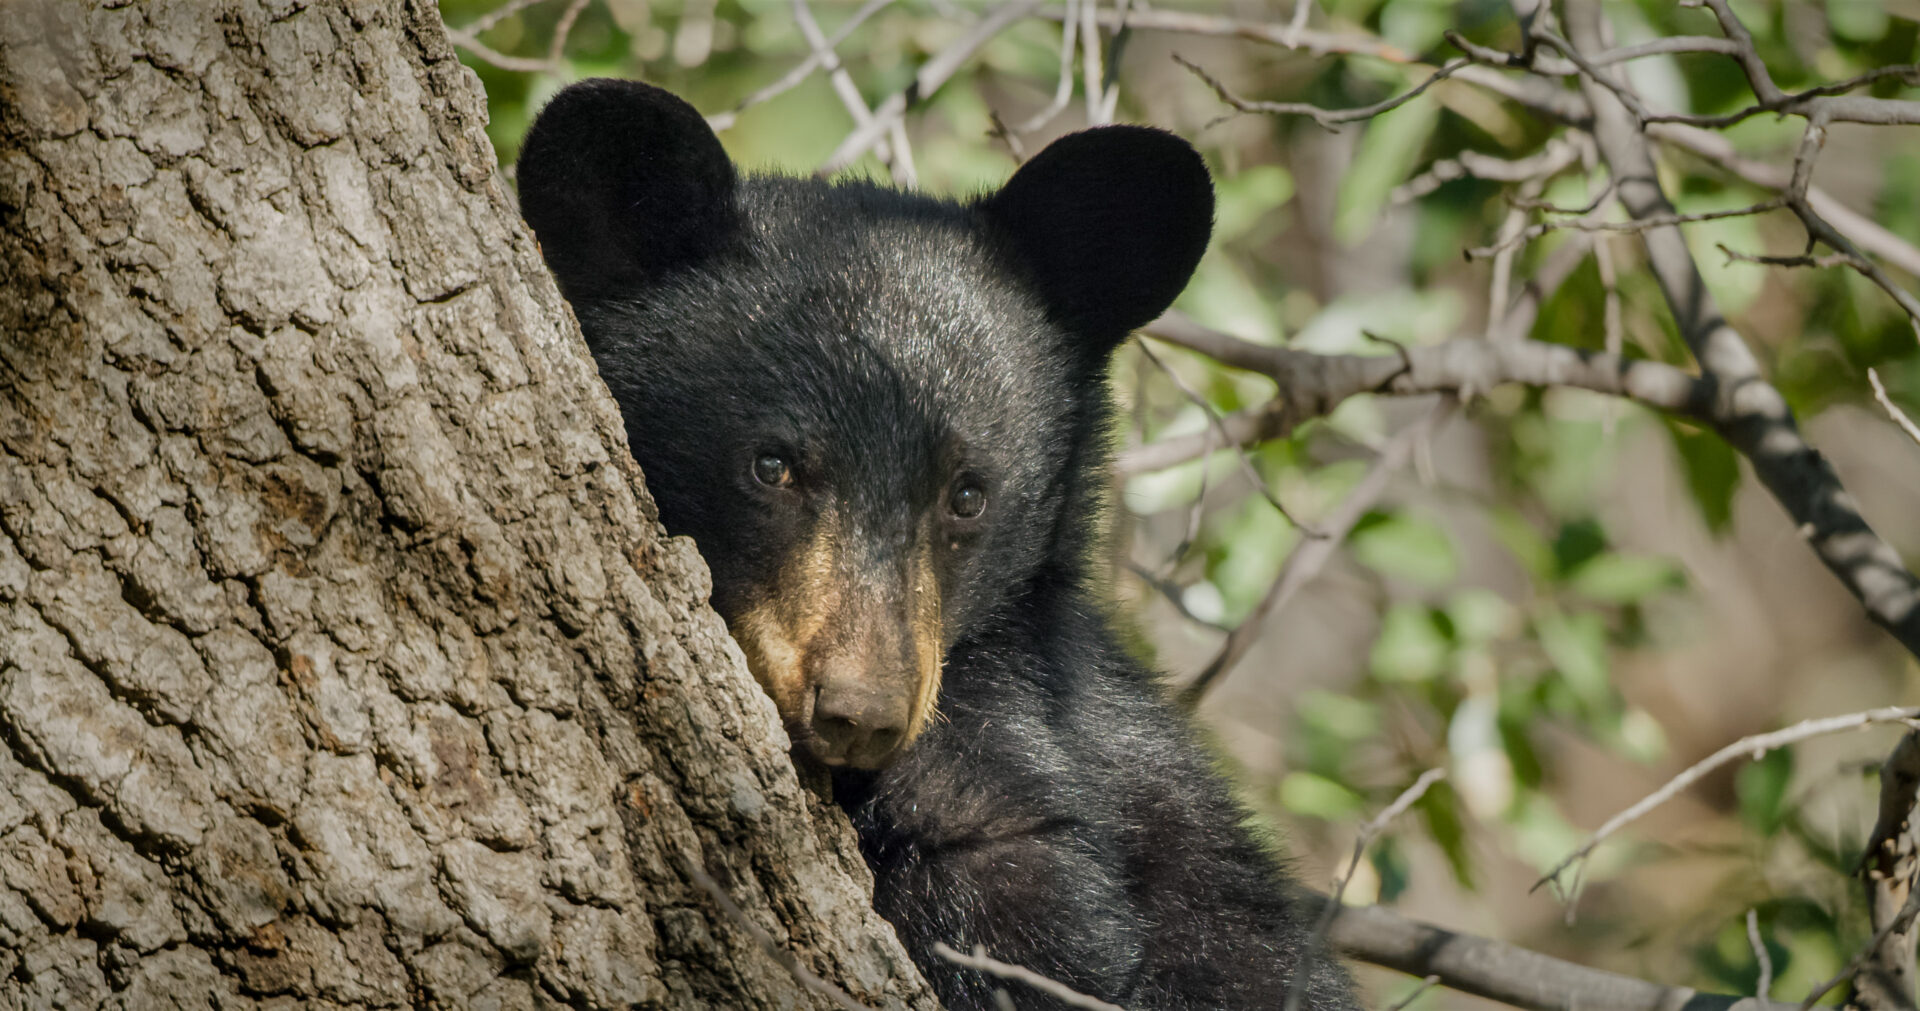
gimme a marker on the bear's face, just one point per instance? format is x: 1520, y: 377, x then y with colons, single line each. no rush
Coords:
x: 872, y: 411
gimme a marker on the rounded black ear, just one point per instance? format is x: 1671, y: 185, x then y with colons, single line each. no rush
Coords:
x: 622, y: 183
x: 1111, y: 221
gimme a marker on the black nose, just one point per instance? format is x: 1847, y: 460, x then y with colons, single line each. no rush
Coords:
x: 858, y: 723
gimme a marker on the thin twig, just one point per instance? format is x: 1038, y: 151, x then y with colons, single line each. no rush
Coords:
x: 489, y: 55
x: 1752, y: 746
x: 1328, y: 119
x: 1556, y: 156
x: 1718, y: 152
x: 1761, y: 956
x: 562, y: 29
x: 1367, y: 834
x: 1510, y: 975
x: 1059, y: 991
x: 1311, y: 555
x: 1254, y: 480
x: 1629, y: 227
x: 1748, y: 412
x: 931, y: 76
x: 1893, y: 410
x: 1171, y: 592
x: 485, y: 22
x: 1063, y: 86
x: 801, y: 71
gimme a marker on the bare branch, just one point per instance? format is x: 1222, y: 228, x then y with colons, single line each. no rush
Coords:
x: 1255, y: 424
x: 1718, y: 151
x: 1287, y: 36
x: 1662, y: 46
x: 1637, y: 225
x: 1310, y: 556
x: 1171, y: 591
x: 801, y: 71
x: 485, y: 22
x: 1900, y: 924
x: 562, y: 29
x: 1063, y: 89
x: 931, y: 76
x: 1510, y: 975
x: 493, y: 57
x: 1747, y: 411
x: 1053, y: 988
x: 1090, y: 56
x: 1752, y: 746
x: 1331, y: 909
x: 1254, y: 481
x: 1314, y: 384
x: 1543, y: 97
x: 1884, y: 971
x: 1329, y: 119
x: 1555, y: 157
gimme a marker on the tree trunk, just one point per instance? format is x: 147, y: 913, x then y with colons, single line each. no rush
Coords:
x: 342, y: 659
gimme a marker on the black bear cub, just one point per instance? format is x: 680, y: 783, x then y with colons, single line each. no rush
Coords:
x: 882, y: 416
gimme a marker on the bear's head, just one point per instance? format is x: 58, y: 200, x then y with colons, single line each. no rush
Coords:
x: 880, y: 415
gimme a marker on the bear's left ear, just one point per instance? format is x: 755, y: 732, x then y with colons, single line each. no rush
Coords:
x: 1111, y: 222
x: 624, y: 184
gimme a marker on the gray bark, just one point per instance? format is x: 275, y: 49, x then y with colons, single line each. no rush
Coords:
x: 342, y: 660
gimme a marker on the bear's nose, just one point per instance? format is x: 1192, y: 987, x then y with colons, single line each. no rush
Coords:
x: 857, y: 723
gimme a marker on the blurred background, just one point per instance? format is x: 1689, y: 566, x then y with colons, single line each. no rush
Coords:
x: 1562, y: 599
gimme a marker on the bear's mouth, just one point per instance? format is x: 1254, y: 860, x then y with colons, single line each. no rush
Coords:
x: 851, y: 658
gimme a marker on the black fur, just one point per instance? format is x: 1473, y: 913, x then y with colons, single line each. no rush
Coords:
x: 1057, y: 811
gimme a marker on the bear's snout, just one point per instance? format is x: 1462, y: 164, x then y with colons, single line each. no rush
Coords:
x: 859, y: 723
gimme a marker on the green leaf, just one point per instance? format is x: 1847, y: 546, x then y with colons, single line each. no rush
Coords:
x: 1579, y: 542
x: 1341, y: 716
x: 1386, y: 156
x: 1857, y: 20
x: 1615, y: 578
x: 1712, y: 471
x: 1411, y: 646
x: 1391, y: 867
x: 1404, y: 546
x: 1524, y: 542
x: 1318, y: 797
x: 1762, y: 789
x: 1243, y: 201
x: 1577, y: 646
x: 1440, y: 807
x: 1480, y: 615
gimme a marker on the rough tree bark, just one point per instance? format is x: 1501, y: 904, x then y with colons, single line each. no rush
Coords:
x: 342, y: 661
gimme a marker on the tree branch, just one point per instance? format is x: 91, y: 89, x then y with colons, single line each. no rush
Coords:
x: 1512, y: 975
x: 1747, y: 411
x: 931, y: 76
x: 1746, y: 747
x: 1885, y: 972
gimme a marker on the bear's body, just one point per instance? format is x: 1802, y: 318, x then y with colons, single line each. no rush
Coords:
x: 882, y: 417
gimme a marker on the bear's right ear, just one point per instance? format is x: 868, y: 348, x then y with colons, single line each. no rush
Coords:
x: 1110, y: 223
x: 622, y: 183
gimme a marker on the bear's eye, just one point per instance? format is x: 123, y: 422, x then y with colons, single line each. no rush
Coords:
x: 772, y: 470
x: 968, y: 501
